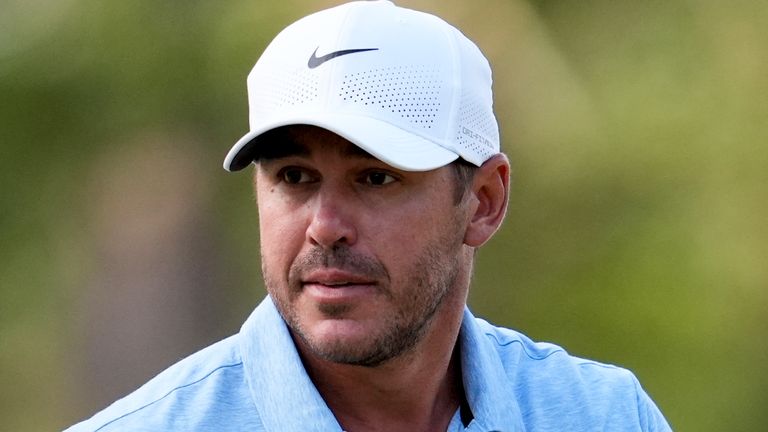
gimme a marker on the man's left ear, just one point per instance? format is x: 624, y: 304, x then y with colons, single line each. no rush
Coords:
x: 490, y: 189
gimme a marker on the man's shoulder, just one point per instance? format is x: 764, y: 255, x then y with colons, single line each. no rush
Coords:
x: 547, y: 379
x: 201, y: 392
x: 521, y: 355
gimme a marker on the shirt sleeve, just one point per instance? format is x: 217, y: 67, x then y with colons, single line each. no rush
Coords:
x: 651, y: 418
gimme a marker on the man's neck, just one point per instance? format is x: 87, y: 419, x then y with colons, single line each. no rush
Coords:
x: 419, y: 391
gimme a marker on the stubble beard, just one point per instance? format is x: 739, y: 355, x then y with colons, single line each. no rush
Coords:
x: 433, y: 278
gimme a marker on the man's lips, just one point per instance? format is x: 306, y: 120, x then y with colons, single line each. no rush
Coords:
x: 334, y: 278
x: 332, y: 285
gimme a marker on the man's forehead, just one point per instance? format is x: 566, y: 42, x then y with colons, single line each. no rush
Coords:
x: 304, y: 140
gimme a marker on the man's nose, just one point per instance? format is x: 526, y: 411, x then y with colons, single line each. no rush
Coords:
x: 332, y: 221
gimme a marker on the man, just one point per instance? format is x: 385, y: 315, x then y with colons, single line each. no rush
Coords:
x: 378, y: 173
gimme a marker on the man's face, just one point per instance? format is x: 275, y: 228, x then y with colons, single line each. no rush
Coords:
x: 358, y: 256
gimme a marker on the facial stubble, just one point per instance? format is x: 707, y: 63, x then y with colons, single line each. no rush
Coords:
x: 432, y: 278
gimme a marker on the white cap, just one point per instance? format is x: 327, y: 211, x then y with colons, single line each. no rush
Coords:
x: 404, y: 85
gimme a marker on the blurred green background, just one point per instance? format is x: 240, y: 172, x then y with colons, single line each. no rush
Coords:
x: 637, y: 232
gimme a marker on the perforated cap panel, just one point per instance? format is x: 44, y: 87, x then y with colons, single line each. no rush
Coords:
x: 478, y: 133
x: 280, y: 90
x: 411, y: 92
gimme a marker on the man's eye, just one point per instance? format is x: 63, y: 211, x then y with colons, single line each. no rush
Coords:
x: 377, y: 178
x: 295, y: 176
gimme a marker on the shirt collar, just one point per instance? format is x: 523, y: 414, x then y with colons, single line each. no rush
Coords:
x: 488, y: 389
x: 287, y: 400
x: 283, y: 393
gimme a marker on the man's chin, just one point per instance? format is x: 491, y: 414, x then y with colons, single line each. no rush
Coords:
x: 341, y: 341
x: 335, y: 311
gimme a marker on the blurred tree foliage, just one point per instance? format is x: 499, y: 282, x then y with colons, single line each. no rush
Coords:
x: 638, y: 226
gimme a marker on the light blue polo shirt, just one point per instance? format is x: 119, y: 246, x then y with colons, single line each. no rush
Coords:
x: 255, y: 381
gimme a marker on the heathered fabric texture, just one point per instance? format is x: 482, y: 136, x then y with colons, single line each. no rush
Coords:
x: 255, y: 381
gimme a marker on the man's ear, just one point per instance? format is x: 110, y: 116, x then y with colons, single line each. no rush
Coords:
x: 490, y: 195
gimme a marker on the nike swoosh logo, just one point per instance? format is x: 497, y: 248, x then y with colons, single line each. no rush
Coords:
x: 315, y: 61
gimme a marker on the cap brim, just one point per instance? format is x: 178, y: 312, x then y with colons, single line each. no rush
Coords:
x: 390, y: 144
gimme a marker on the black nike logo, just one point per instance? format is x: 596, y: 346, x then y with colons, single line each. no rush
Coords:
x: 315, y: 61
